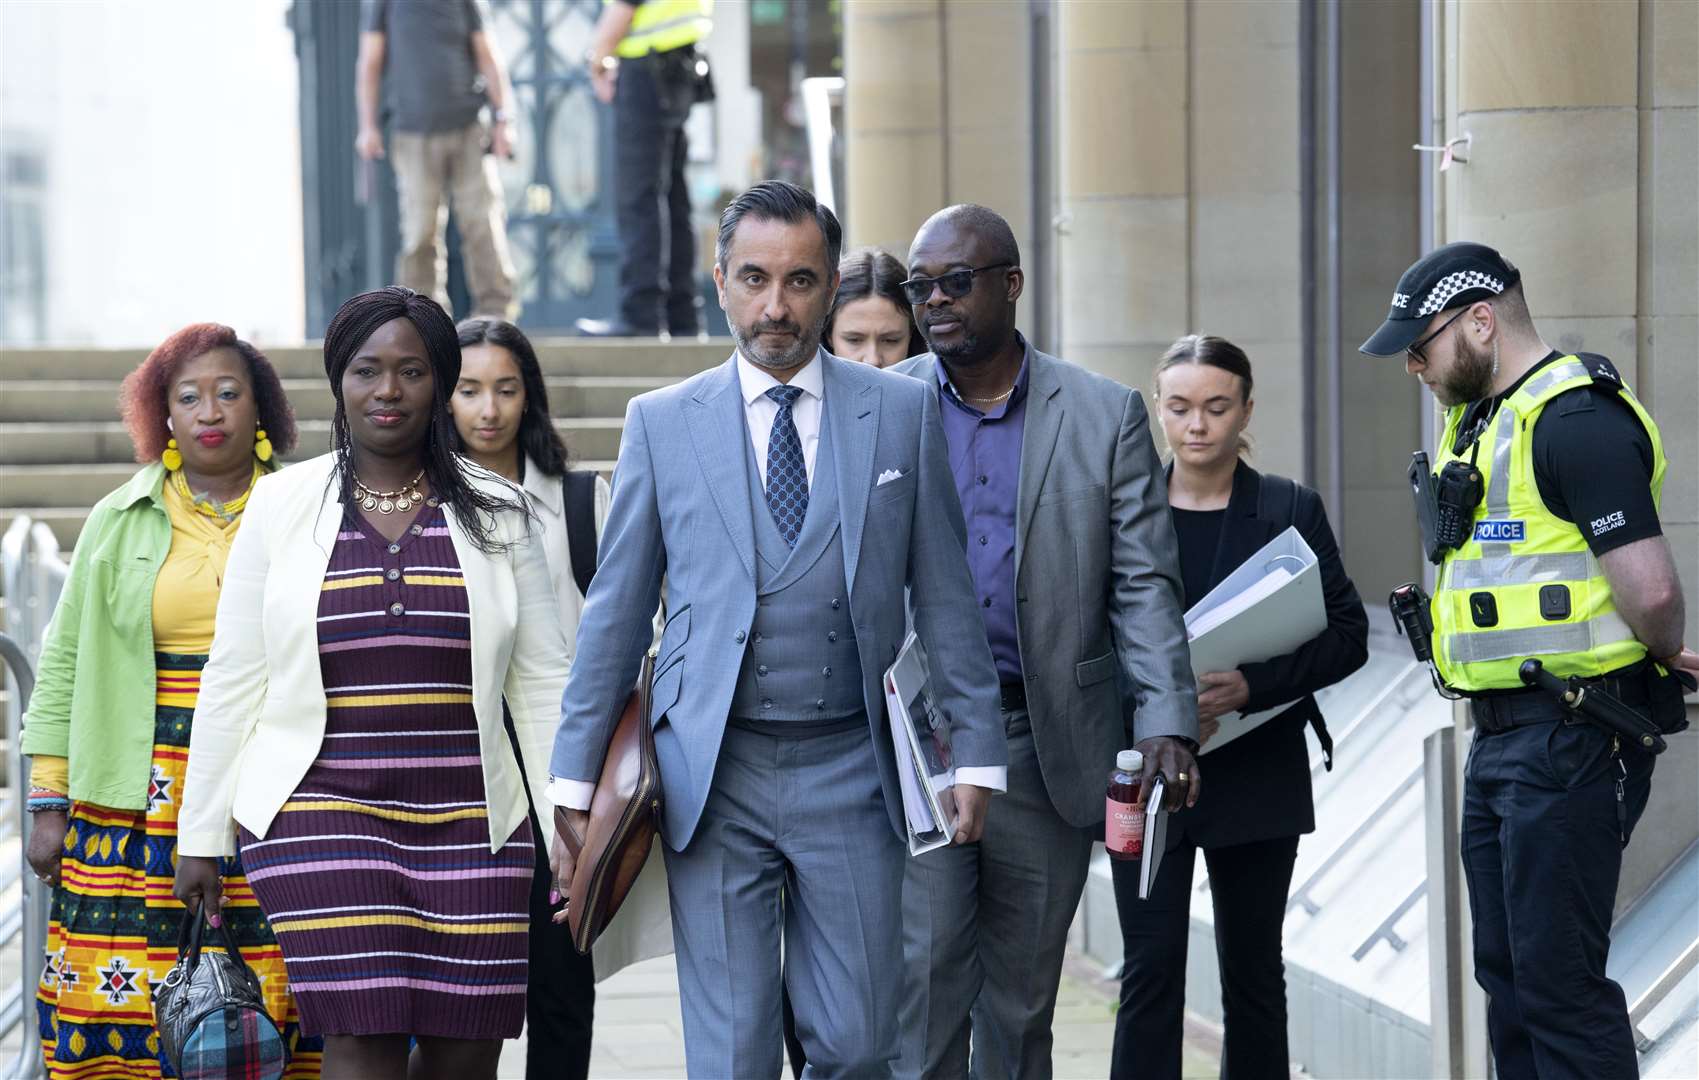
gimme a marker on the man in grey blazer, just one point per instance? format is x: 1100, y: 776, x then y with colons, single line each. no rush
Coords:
x: 790, y: 498
x: 1073, y: 556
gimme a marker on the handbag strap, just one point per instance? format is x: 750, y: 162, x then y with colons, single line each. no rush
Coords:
x: 190, y: 938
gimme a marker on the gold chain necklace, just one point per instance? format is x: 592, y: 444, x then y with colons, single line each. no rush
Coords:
x: 992, y: 400
x: 207, y: 504
x: 402, y: 499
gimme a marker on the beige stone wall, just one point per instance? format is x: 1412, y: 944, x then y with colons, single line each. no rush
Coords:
x: 936, y: 111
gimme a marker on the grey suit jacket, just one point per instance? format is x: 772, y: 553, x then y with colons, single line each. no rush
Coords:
x: 1097, y: 580
x: 681, y: 507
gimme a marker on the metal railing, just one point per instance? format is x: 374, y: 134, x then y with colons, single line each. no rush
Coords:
x: 32, y: 575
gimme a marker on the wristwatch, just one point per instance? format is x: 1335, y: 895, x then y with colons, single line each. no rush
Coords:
x: 500, y: 116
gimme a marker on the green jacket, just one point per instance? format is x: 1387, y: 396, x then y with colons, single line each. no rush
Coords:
x: 94, y: 692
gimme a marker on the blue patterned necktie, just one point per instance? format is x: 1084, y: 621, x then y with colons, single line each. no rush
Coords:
x: 787, y: 474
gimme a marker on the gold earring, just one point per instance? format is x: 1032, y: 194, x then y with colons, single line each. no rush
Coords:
x: 172, y: 457
x: 262, y: 445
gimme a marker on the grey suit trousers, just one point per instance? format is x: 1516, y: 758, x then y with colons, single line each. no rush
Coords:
x: 984, y: 930
x: 804, y: 816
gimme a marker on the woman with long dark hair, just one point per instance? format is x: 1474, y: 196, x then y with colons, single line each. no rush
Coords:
x: 1259, y: 801
x: 870, y: 320
x: 382, y: 603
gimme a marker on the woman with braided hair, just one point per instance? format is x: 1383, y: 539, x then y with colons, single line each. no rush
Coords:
x: 381, y: 603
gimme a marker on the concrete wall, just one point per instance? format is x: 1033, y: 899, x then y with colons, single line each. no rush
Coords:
x: 936, y: 111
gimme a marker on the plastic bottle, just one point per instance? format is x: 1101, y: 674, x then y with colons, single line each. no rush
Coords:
x: 1123, y: 818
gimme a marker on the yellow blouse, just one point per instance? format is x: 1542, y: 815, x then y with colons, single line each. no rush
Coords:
x: 185, y: 599
x: 185, y: 596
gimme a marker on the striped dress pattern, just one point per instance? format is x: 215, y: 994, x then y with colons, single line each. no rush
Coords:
x: 393, y: 915
x: 114, y: 923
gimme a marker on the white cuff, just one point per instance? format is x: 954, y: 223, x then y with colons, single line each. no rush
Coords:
x: 572, y: 794
x: 993, y: 777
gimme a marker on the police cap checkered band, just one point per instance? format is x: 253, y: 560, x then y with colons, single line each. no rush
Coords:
x: 1448, y: 277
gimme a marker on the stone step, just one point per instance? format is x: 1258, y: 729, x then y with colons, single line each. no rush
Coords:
x: 65, y: 443
x: 558, y: 356
x: 82, y: 400
x: 66, y: 521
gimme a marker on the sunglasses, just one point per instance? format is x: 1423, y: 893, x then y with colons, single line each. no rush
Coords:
x: 956, y: 284
x: 1415, y: 348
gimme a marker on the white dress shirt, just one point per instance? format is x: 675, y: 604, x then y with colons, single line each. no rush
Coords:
x: 759, y: 412
x: 548, y: 501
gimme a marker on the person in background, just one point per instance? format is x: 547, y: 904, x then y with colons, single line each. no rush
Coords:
x: 109, y: 722
x: 643, y: 61
x: 501, y: 415
x: 382, y: 602
x: 1073, y: 566
x: 442, y: 68
x: 1259, y: 801
x: 870, y: 321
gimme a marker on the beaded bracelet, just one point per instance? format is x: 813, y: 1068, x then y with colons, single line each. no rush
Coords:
x: 45, y: 799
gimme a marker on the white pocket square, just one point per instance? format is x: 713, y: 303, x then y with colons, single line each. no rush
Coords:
x: 887, y: 476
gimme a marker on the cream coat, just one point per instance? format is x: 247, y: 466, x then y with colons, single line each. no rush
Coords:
x: 261, y: 713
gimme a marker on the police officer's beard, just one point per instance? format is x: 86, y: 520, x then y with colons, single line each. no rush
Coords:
x: 798, y: 353
x: 1471, y: 375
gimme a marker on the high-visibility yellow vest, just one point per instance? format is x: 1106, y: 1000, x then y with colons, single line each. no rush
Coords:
x: 1524, y: 584
x: 664, y: 25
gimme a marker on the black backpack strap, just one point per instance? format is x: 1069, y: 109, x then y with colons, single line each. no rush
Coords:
x: 1278, y: 501
x: 578, y: 489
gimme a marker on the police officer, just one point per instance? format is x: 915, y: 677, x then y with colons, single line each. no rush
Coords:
x: 1562, y: 560
x: 643, y: 60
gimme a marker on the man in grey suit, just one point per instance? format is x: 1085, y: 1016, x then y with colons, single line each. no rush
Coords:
x: 1074, y: 561
x: 790, y: 498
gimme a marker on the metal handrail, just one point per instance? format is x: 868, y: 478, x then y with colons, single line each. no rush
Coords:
x: 1301, y: 895
x: 28, y: 921
x: 1659, y: 990
x: 1385, y: 931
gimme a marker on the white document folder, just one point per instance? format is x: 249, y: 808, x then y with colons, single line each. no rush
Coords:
x: 1267, y: 607
x: 921, y: 738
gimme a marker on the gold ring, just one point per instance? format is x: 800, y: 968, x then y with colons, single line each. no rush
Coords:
x: 1180, y: 777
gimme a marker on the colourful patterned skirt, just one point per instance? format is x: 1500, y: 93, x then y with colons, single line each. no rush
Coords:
x: 393, y: 914
x: 114, y: 923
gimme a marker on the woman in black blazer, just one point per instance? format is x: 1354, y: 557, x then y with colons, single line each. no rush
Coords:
x: 1258, y: 798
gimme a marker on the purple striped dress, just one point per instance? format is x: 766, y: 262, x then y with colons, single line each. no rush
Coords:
x: 377, y: 876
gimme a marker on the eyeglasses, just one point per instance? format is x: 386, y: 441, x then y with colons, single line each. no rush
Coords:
x: 1415, y: 349
x: 956, y: 284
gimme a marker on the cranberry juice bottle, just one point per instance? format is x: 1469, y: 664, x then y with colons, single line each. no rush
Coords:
x: 1123, y: 818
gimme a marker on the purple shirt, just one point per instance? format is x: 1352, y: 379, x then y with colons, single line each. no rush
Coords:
x: 985, y: 456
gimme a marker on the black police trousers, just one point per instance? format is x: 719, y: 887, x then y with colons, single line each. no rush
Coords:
x: 657, y: 274
x: 1543, y: 833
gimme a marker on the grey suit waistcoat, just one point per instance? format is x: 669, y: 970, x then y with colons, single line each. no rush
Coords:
x: 801, y: 663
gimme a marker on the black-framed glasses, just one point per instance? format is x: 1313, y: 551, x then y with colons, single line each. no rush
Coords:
x: 1415, y: 348
x: 956, y: 284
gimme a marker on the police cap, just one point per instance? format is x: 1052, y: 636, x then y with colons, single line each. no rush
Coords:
x: 1452, y: 276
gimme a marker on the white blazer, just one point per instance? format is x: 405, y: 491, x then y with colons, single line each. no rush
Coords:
x: 260, y: 719
x: 548, y: 502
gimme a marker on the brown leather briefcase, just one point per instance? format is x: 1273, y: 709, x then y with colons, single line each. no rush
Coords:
x: 625, y: 813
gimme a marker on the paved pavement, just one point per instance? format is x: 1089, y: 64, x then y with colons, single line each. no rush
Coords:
x: 639, y: 1033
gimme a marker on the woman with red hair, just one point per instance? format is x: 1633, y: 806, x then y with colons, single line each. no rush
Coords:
x: 108, y: 724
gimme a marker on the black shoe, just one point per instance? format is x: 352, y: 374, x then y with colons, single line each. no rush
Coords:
x: 616, y: 328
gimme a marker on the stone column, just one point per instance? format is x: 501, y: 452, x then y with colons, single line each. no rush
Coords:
x: 1124, y: 246
x: 894, y: 119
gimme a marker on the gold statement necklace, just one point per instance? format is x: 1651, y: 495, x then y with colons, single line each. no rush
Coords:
x: 211, y: 507
x: 401, y: 500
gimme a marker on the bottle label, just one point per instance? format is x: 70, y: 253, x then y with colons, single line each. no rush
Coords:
x: 1123, y: 828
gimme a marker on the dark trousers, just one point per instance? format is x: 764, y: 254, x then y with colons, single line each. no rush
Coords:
x: 560, y: 992
x: 1248, y: 885
x: 657, y: 274
x: 1547, y: 810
